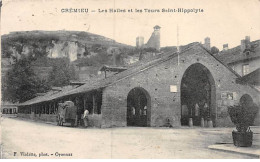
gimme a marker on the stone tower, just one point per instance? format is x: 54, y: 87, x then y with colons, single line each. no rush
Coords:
x: 154, y: 40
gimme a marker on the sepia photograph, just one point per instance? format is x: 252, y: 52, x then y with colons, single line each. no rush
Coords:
x: 139, y: 79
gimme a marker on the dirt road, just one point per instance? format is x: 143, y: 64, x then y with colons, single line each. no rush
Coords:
x: 21, y: 138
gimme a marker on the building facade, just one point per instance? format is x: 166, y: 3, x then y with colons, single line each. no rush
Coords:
x: 9, y: 108
x: 156, y: 93
x: 244, y: 58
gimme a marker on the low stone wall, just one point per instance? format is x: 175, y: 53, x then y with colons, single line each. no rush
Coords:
x: 28, y: 116
x: 46, y: 117
x: 42, y: 117
x: 257, y: 119
x: 94, y: 120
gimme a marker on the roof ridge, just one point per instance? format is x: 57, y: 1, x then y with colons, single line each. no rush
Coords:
x: 116, y: 78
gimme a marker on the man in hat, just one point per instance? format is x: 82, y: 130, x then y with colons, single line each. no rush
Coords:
x: 85, y: 117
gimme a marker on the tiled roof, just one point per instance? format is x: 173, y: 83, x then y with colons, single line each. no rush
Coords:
x: 112, y: 68
x: 235, y: 54
x: 252, y: 78
x: 136, y: 68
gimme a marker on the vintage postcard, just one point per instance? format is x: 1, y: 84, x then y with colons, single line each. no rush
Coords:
x: 139, y: 79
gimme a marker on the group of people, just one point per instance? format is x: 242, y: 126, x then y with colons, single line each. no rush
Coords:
x: 141, y: 111
x: 199, y: 109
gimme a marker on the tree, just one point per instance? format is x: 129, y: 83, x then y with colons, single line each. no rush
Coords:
x: 214, y: 50
x: 150, y: 49
x: 61, y: 73
x: 21, y: 83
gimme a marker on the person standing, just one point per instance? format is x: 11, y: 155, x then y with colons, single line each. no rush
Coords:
x: 145, y: 110
x: 133, y: 111
x: 85, y: 117
x: 62, y: 114
x: 206, y: 111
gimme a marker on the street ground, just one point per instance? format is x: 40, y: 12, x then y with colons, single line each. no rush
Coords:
x: 20, y: 135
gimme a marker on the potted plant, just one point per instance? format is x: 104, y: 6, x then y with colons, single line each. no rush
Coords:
x: 243, y: 116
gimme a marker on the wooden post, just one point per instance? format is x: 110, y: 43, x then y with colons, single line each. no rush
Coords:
x: 48, y: 108
x: 94, y: 104
x: 84, y: 101
x: 54, y: 107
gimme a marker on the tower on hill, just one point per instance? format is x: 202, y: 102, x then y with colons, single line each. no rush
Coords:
x: 154, y: 41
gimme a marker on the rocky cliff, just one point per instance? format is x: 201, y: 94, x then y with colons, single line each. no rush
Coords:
x: 82, y: 49
x: 71, y: 44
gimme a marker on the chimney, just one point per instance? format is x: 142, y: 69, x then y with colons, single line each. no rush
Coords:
x: 225, y: 47
x: 247, y: 38
x: 207, y: 43
x: 243, y: 45
x: 247, y: 41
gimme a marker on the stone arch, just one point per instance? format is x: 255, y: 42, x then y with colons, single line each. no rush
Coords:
x: 138, y: 107
x: 197, y: 88
x: 246, y: 100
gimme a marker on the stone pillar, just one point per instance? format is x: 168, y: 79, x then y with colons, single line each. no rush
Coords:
x: 190, y: 122
x: 202, y: 122
x: 210, y: 124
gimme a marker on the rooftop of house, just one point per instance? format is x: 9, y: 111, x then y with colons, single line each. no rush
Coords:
x: 112, y: 68
x: 236, y: 55
x: 252, y: 78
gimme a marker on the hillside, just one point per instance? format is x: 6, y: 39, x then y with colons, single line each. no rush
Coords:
x: 53, y: 43
x: 81, y: 48
x: 62, y: 35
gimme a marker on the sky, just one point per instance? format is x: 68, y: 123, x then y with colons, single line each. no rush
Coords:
x: 224, y: 21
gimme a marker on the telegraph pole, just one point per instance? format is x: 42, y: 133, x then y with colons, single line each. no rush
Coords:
x: 178, y: 47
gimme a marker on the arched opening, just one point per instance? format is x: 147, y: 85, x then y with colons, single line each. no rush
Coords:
x: 246, y: 100
x: 138, y: 108
x: 198, y: 95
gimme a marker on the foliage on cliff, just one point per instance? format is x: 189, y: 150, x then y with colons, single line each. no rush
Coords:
x: 61, y: 74
x: 21, y: 83
x: 30, y: 49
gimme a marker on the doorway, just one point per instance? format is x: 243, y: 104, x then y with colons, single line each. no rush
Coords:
x: 138, y: 108
x: 198, y: 95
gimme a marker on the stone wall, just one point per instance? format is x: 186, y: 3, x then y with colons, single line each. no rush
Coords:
x: 165, y: 105
x: 41, y: 117
x: 94, y: 119
x: 253, y: 65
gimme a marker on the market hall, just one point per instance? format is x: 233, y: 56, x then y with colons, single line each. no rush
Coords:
x: 171, y: 89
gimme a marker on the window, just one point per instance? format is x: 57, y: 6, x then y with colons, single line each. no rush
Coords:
x: 245, y: 69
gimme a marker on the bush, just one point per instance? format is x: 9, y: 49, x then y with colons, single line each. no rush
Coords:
x: 243, y: 116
